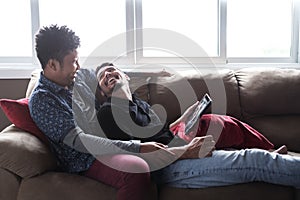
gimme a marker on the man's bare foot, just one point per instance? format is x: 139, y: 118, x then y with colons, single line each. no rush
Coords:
x: 281, y: 150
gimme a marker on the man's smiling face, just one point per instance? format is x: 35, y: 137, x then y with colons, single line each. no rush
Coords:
x: 111, y: 78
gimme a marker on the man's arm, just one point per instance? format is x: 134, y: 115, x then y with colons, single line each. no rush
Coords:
x: 155, y: 154
x: 158, y: 157
x: 95, y: 145
x: 183, y: 118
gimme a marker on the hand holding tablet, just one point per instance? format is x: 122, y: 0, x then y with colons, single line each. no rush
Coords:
x: 202, y: 106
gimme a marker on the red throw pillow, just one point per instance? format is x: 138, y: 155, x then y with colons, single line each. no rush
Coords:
x: 17, y: 111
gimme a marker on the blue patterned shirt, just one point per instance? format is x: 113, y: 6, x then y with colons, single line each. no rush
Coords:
x: 52, y: 109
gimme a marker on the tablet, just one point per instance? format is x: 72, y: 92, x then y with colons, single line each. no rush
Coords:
x: 203, y: 105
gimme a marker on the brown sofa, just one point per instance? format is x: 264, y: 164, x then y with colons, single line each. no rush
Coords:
x: 266, y: 98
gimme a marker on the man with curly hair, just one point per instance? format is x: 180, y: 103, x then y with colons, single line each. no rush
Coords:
x: 77, y: 149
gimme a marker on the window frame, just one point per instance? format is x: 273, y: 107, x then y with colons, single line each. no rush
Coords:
x: 222, y: 58
x: 140, y: 59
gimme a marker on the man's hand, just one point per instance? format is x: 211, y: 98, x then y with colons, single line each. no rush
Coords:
x: 152, y: 146
x: 189, y: 111
x: 199, y: 147
x: 186, y: 115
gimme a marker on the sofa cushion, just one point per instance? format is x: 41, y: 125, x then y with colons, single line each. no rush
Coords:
x: 64, y: 186
x: 269, y: 91
x: 174, y: 94
x: 17, y: 112
x: 139, y: 86
x: 281, y: 130
x: 270, y: 103
x: 245, y: 191
x: 9, y: 185
x: 24, y: 154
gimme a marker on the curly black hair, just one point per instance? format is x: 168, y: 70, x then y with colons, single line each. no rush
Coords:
x: 55, y: 42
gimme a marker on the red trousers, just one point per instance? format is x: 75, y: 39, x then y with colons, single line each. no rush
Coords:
x: 129, y: 174
x: 228, y: 132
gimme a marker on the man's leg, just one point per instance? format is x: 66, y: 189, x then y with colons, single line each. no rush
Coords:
x: 128, y: 174
x: 232, y: 167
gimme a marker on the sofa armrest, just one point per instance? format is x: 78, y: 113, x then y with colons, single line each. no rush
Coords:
x: 24, y: 154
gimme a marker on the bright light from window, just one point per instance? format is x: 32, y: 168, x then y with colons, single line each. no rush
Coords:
x: 259, y: 28
x: 94, y: 21
x: 15, y: 34
x: 195, y: 19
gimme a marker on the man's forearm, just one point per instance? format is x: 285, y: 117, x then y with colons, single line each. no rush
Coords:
x: 175, y: 123
x: 95, y: 145
x: 179, y: 152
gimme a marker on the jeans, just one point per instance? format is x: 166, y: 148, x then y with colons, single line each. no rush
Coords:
x: 231, y: 167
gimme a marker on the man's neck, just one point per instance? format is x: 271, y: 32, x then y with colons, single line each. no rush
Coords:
x: 123, y: 93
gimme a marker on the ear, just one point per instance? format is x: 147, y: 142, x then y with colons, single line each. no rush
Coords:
x: 53, y: 64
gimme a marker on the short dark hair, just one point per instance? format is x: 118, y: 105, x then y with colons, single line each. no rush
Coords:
x: 55, y: 42
x: 103, y: 65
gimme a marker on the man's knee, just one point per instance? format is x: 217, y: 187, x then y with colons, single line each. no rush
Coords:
x: 134, y: 164
x: 125, y: 163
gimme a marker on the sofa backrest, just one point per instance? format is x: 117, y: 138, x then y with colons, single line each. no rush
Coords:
x: 270, y: 91
x: 179, y: 91
x: 268, y: 99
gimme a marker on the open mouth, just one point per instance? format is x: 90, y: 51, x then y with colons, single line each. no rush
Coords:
x: 111, y: 81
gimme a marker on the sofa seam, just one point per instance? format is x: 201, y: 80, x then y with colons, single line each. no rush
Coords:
x: 239, y: 95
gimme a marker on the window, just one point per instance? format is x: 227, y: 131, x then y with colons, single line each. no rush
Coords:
x: 16, y: 40
x: 194, y: 19
x: 227, y: 30
x: 93, y: 20
x: 259, y: 28
x: 157, y: 31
